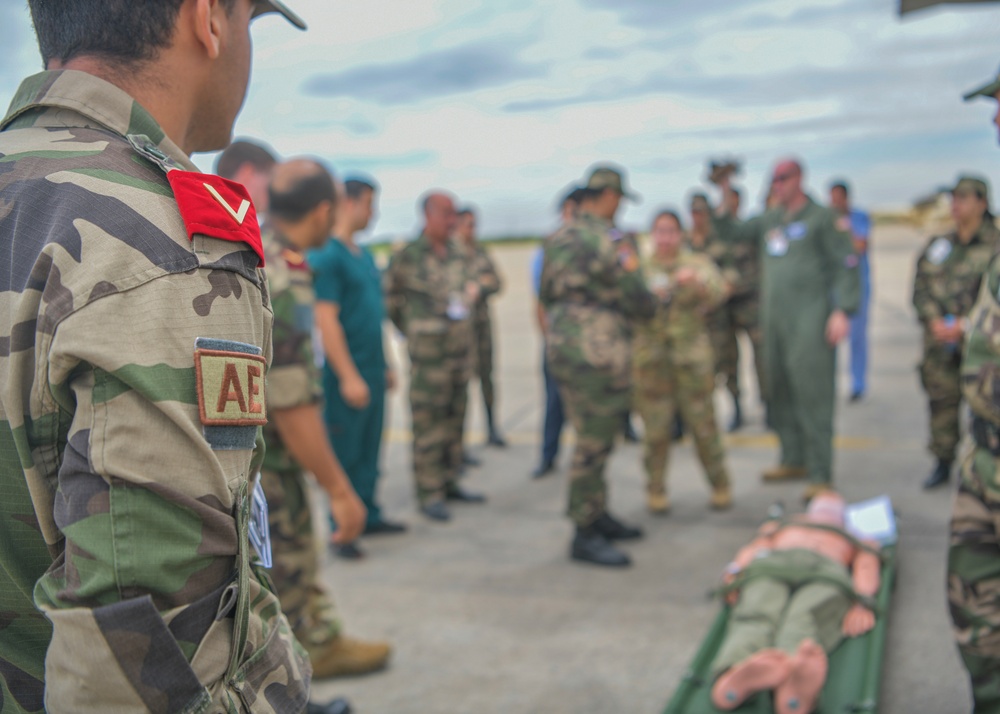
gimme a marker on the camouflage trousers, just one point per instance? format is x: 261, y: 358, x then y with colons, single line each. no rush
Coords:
x: 660, y: 390
x: 438, y: 394
x: 596, y: 401
x: 725, y: 324
x: 306, y: 603
x: 974, y: 576
x: 482, y: 331
x: 939, y: 375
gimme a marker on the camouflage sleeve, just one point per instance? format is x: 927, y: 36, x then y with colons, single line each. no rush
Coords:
x: 714, y: 284
x: 487, y: 275
x: 843, y: 263
x: 980, y: 373
x: 636, y: 300
x: 292, y: 380
x: 152, y: 501
x: 395, y: 299
x: 923, y: 301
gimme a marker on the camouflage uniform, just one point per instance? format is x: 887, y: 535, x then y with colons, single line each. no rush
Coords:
x: 490, y: 284
x: 974, y: 555
x: 293, y: 382
x: 590, y: 299
x: 673, y: 369
x: 131, y: 390
x: 946, y: 283
x: 739, y: 262
x: 425, y: 298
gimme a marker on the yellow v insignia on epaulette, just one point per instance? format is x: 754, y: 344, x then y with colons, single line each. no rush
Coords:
x: 238, y: 215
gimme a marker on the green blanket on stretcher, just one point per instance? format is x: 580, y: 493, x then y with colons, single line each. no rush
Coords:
x: 853, y: 681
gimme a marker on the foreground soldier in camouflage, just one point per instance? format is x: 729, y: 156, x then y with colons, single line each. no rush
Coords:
x: 592, y: 289
x: 135, y: 331
x: 974, y: 557
x: 429, y: 294
x: 303, y: 199
x: 944, y: 289
x: 672, y: 362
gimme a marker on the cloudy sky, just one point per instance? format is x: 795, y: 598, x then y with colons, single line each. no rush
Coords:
x: 507, y: 103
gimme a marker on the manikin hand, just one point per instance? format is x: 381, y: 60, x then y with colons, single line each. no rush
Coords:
x: 349, y: 513
x: 858, y: 620
x: 837, y: 327
x: 355, y: 392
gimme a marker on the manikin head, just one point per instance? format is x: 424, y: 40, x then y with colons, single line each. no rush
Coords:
x: 827, y: 507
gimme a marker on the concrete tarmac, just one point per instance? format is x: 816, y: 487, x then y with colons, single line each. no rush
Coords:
x: 488, y: 615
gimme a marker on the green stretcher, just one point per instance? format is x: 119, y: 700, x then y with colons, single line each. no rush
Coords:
x: 853, y: 681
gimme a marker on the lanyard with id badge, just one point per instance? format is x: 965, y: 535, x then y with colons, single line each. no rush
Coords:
x: 260, y: 531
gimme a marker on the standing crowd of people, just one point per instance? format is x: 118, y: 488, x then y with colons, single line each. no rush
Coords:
x: 161, y: 325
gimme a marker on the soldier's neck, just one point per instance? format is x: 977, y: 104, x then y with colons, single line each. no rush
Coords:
x: 967, y: 231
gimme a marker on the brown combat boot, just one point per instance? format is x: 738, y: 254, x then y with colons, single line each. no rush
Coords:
x: 345, y: 657
x: 784, y: 472
x: 658, y: 503
x: 721, y: 499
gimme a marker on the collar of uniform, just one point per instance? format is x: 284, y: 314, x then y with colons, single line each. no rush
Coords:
x: 450, y: 245
x: 95, y: 99
x: 807, y: 206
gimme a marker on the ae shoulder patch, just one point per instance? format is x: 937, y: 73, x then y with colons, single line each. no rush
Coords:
x: 230, y: 383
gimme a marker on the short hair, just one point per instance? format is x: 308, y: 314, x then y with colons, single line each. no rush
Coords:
x: 302, y: 196
x: 669, y: 213
x: 240, y: 152
x: 842, y: 185
x: 120, y: 31
x: 572, y: 196
x: 467, y: 211
x: 355, y: 188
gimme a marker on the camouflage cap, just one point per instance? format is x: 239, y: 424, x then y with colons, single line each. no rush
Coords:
x: 604, y: 177
x: 989, y: 89
x: 973, y: 184
x: 699, y: 202
x: 266, y: 6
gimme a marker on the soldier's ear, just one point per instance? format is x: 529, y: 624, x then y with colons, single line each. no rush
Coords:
x: 209, y: 18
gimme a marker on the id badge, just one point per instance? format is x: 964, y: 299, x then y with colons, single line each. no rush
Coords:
x: 457, y: 309
x: 777, y: 245
x: 260, y: 530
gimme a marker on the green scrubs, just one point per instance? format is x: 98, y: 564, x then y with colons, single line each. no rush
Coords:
x: 809, y: 270
x: 351, y: 279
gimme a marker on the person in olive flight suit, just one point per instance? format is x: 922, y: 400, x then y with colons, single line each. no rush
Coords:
x: 810, y: 287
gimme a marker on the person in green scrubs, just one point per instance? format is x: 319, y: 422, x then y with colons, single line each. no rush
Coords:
x: 810, y: 287
x: 349, y: 315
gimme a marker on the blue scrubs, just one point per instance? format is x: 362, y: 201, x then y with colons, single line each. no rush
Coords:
x: 861, y: 228
x: 554, y: 415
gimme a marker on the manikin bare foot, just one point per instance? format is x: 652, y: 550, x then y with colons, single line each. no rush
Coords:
x: 762, y: 670
x: 800, y: 692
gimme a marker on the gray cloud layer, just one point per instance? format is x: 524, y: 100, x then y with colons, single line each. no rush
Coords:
x: 456, y: 70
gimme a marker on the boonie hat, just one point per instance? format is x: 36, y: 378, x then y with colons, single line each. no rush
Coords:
x: 604, y: 177
x: 989, y: 89
x: 266, y: 6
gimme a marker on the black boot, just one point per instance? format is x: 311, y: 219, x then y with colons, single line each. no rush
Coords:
x: 493, y: 436
x: 591, y: 546
x: 737, y: 422
x: 613, y: 529
x: 939, y: 476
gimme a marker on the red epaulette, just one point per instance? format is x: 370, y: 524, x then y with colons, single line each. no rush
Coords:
x: 216, y: 207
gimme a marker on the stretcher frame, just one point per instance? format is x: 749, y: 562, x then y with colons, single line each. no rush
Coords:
x: 853, y: 683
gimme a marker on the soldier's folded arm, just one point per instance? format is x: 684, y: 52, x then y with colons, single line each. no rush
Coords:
x: 160, y: 389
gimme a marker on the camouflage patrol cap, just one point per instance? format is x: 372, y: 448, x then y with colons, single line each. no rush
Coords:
x: 973, y: 184
x: 699, y: 202
x: 603, y: 177
x: 989, y: 89
x: 266, y: 6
